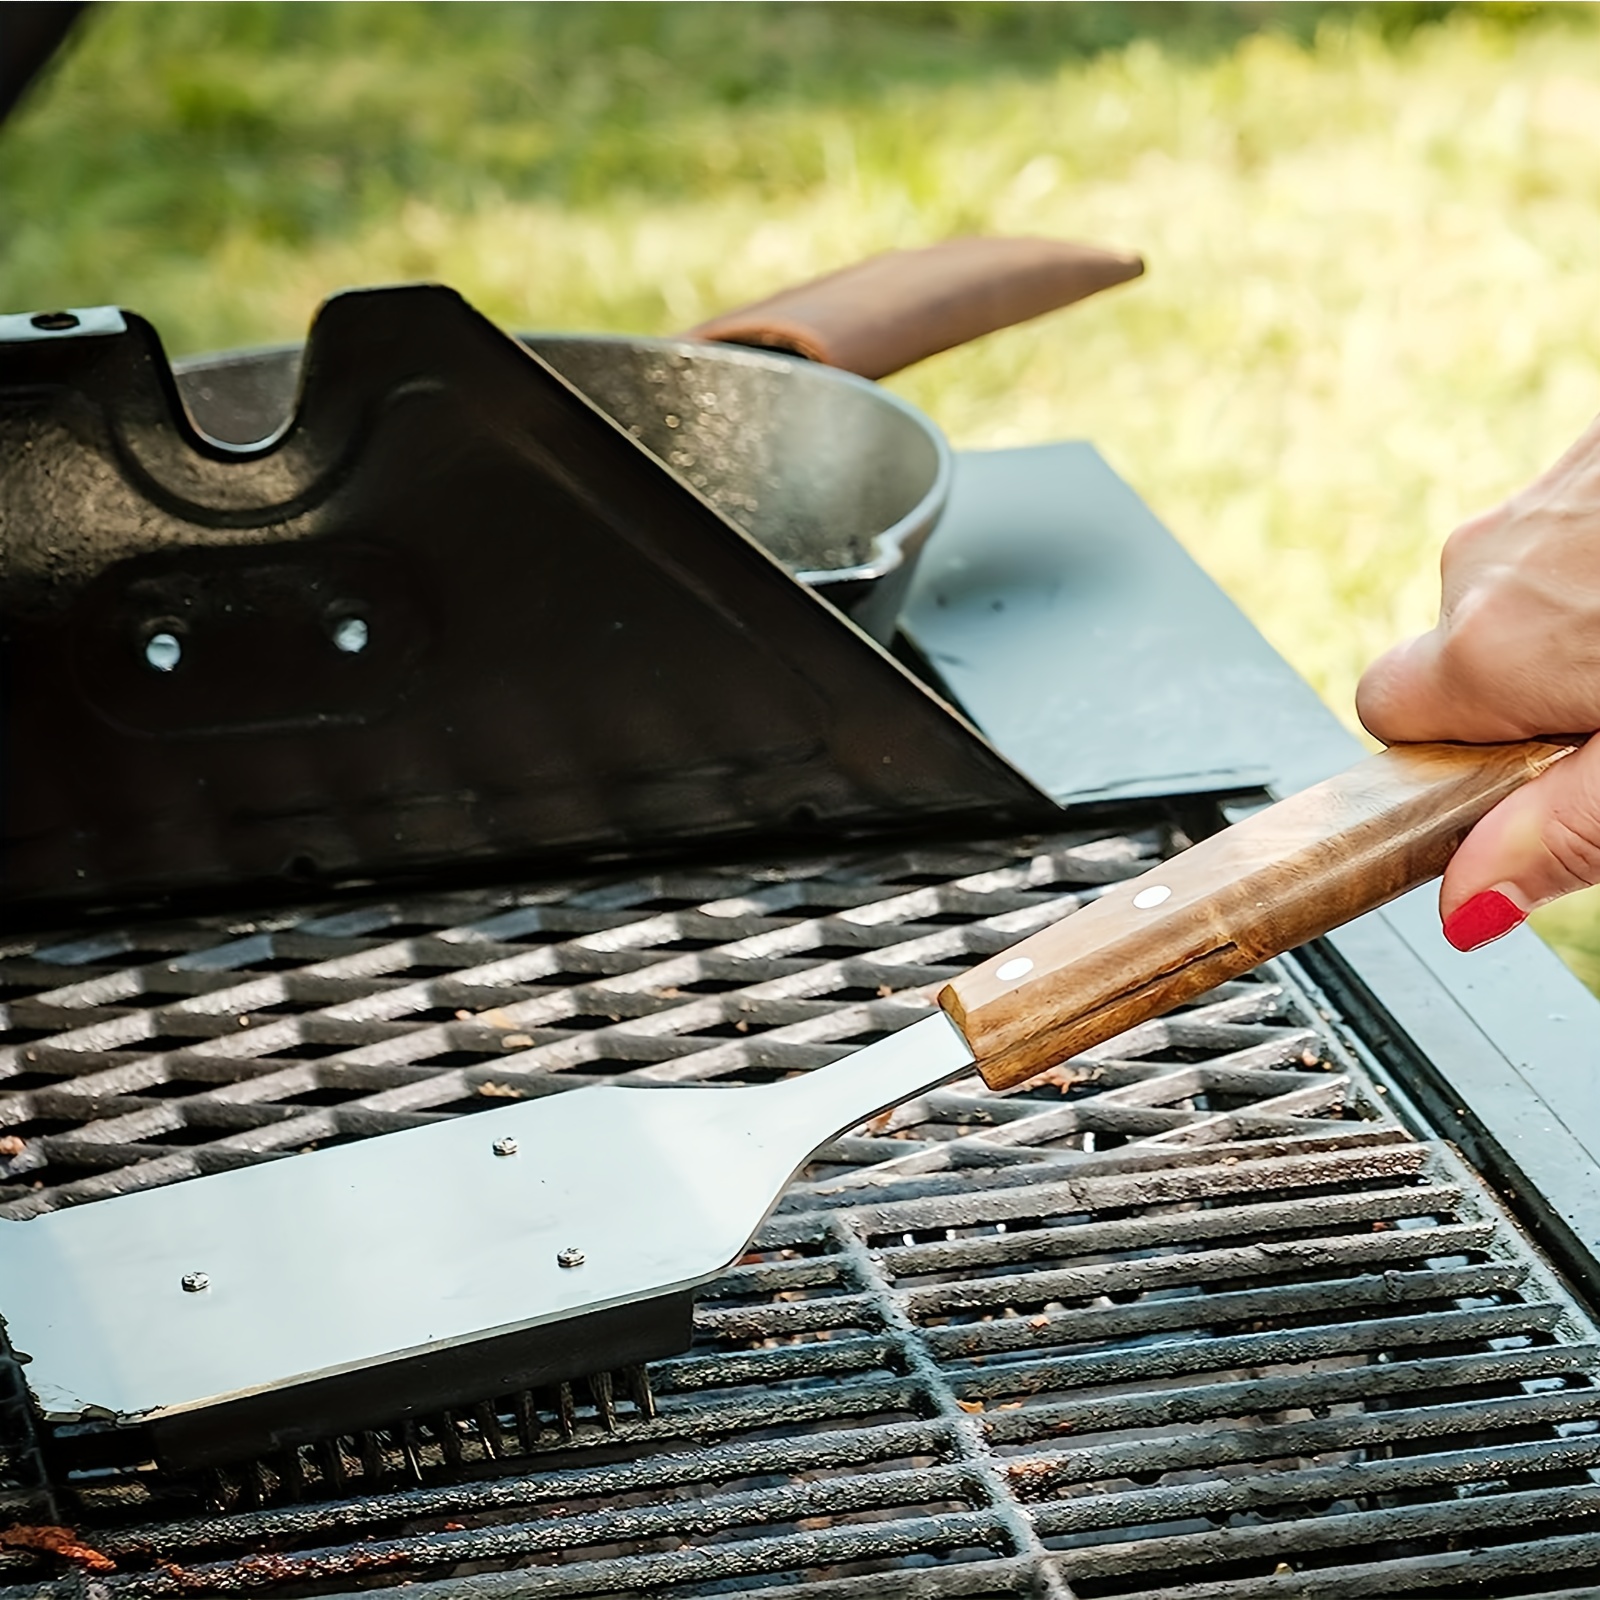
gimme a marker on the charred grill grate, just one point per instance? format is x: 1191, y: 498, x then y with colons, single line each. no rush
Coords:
x: 139, y: 1057
x: 1195, y: 1315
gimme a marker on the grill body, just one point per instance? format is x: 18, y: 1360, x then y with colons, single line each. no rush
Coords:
x: 1210, y: 1312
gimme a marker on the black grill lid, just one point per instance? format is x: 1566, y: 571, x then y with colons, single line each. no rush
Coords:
x: 452, y: 613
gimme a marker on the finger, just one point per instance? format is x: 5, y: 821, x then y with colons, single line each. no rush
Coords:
x: 1413, y: 692
x: 1396, y: 697
x: 1536, y: 845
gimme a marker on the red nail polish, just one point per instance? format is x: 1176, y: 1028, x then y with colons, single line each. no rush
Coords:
x: 1483, y: 918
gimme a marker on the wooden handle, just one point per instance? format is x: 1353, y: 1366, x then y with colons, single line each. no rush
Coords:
x: 892, y: 310
x: 1271, y: 882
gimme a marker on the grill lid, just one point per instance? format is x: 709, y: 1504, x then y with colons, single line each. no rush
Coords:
x: 452, y: 613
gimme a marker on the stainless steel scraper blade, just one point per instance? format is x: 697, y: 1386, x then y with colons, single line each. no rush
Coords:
x: 268, y: 1277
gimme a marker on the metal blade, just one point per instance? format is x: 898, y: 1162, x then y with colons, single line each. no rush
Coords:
x: 425, y: 1241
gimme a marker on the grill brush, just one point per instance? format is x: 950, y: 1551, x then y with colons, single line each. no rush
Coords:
x: 251, y: 1313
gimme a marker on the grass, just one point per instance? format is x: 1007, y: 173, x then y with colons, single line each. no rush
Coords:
x: 1372, y: 305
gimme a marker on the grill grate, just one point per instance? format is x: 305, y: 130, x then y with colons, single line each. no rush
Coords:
x: 1193, y: 1315
x: 133, y: 1058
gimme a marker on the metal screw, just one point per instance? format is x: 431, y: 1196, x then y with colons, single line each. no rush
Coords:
x: 163, y: 651
x: 194, y: 1282
x: 572, y: 1256
x: 504, y: 1147
x: 350, y: 635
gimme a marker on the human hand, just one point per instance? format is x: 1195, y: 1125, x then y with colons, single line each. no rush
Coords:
x: 1515, y: 654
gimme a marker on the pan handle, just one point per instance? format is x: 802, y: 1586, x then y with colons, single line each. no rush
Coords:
x: 895, y: 309
x: 1276, y: 880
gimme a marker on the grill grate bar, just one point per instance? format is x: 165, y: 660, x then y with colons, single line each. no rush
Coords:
x: 1202, y: 1266
x: 1301, y: 1391
x: 941, y: 1534
x: 788, y: 1319
x: 1284, y: 1441
x: 783, y: 1276
x: 844, y: 1450
x: 698, y: 1519
x: 1379, y: 1579
x: 1358, y: 1529
x: 815, y: 1359
x: 1282, y: 1347
x: 806, y: 1199
x: 864, y: 1156
x: 1163, y: 1181
x: 1350, y: 1480
x: 1112, y: 1113
x: 1135, y: 1233
x: 988, y: 1580
x: 1205, y: 1311
x: 709, y: 1418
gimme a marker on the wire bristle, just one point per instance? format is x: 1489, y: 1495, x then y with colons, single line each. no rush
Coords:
x: 425, y: 1449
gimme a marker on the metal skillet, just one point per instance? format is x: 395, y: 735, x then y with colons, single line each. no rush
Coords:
x: 767, y: 410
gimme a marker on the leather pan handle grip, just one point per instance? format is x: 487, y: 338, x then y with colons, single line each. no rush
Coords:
x: 893, y: 310
x: 1281, y: 877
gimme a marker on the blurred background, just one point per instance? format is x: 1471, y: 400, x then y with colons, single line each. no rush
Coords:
x: 1372, y: 233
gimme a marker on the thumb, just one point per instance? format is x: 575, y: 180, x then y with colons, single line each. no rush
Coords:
x: 1538, y: 844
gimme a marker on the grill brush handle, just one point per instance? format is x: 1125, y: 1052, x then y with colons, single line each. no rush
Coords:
x: 893, y: 310
x: 1281, y: 877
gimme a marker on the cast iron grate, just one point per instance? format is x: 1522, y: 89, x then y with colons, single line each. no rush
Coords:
x: 1194, y: 1315
x: 135, y: 1057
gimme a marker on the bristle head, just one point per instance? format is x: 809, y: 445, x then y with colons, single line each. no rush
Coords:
x: 432, y: 1449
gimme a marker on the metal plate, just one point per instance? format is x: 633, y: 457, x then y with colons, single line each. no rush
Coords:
x: 271, y: 1276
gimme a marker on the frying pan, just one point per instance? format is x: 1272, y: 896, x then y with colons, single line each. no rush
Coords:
x: 767, y: 410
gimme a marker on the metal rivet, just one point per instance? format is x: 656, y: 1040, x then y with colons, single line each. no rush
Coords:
x: 504, y: 1147
x: 194, y: 1282
x: 163, y: 651
x: 570, y: 1257
x: 350, y: 635
x: 1153, y: 896
x: 1018, y: 967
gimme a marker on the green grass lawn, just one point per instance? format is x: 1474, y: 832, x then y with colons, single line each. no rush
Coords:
x: 1373, y: 303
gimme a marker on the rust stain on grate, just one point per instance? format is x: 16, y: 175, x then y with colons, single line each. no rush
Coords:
x: 1194, y: 1315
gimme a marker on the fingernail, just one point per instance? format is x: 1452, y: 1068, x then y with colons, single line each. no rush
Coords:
x: 1483, y: 919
